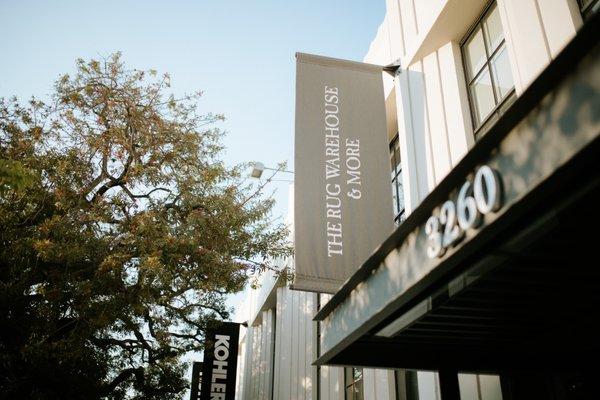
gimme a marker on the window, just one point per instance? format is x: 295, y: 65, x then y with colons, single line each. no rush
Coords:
x: 397, y: 189
x: 407, y: 385
x: 353, y: 382
x: 487, y: 69
x: 479, y: 387
x: 588, y: 7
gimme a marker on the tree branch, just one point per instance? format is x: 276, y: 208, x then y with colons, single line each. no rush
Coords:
x: 146, y: 195
x: 122, y: 377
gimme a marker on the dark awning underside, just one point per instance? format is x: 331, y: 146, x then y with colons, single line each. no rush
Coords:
x: 530, y: 299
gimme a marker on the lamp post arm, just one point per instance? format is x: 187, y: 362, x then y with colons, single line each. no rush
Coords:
x: 279, y: 170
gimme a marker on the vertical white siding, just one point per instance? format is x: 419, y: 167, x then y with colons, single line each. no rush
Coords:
x: 310, y: 383
x: 432, y: 107
x: 239, y: 383
x: 428, y: 385
x: 433, y: 121
x: 378, y: 384
x: 420, y: 128
x: 266, y: 351
x: 282, y: 336
x: 332, y: 383
x: 536, y: 31
x: 432, y: 110
x: 331, y: 378
x: 278, y: 348
x: 395, y: 38
x: 455, y: 101
x: 256, y: 369
x: 294, y: 376
x: 558, y: 31
x: 436, y: 115
x: 292, y: 367
x: 426, y: 12
x: 246, y: 378
x: 409, y: 23
x: 262, y: 363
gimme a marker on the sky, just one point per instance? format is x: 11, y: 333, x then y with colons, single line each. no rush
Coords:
x: 239, y: 53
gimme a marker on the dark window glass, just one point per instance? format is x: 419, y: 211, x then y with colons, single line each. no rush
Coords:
x: 588, y: 7
x: 353, y: 381
x: 487, y: 69
x: 407, y: 385
x: 397, y: 189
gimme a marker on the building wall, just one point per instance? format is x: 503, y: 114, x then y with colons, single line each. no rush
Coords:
x: 427, y: 105
x: 432, y: 115
x: 536, y: 31
x: 293, y: 370
x: 379, y: 384
x: 277, y: 352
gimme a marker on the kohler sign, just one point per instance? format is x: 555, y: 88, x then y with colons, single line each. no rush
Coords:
x: 220, y: 362
x: 343, y: 196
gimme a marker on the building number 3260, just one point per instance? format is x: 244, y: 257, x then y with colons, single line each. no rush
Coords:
x: 475, y: 199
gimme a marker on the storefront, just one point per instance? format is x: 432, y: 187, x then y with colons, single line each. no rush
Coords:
x: 476, y: 276
x: 496, y: 270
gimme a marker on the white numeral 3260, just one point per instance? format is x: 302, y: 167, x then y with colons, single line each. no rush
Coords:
x: 474, y: 200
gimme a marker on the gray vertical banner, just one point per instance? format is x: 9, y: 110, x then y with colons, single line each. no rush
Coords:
x: 342, y: 194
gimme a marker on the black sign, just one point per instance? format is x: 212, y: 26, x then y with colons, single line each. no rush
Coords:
x: 196, y: 376
x: 220, y: 362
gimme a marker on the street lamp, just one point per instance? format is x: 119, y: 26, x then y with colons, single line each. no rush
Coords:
x: 257, y: 170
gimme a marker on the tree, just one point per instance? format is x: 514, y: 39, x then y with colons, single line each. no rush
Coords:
x: 120, y: 249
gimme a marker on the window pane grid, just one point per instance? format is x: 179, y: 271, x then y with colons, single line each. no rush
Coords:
x: 492, y: 83
x: 487, y: 58
x: 500, y: 69
x: 492, y: 26
x: 396, y: 178
x: 483, y: 97
x: 475, y: 52
x: 588, y: 7
x: 498, y: 49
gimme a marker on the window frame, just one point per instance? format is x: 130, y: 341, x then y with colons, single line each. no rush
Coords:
x: 354, y: 383
x: 406, y: 383
x: 496, y: 111
x: 396, y: 171
x: 588, y: 10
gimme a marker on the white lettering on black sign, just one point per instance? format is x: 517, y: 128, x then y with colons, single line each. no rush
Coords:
x: 333, y: 176
x: 219, y: 372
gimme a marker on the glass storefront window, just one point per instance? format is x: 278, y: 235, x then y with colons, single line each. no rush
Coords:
x: 417, y: 385
x: 353, y: 382
x: 479, y: 387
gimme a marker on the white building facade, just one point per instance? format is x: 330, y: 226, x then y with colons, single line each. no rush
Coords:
x: 463, y: 63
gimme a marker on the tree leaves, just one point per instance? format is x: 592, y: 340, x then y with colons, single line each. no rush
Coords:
x: 122, y: 232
